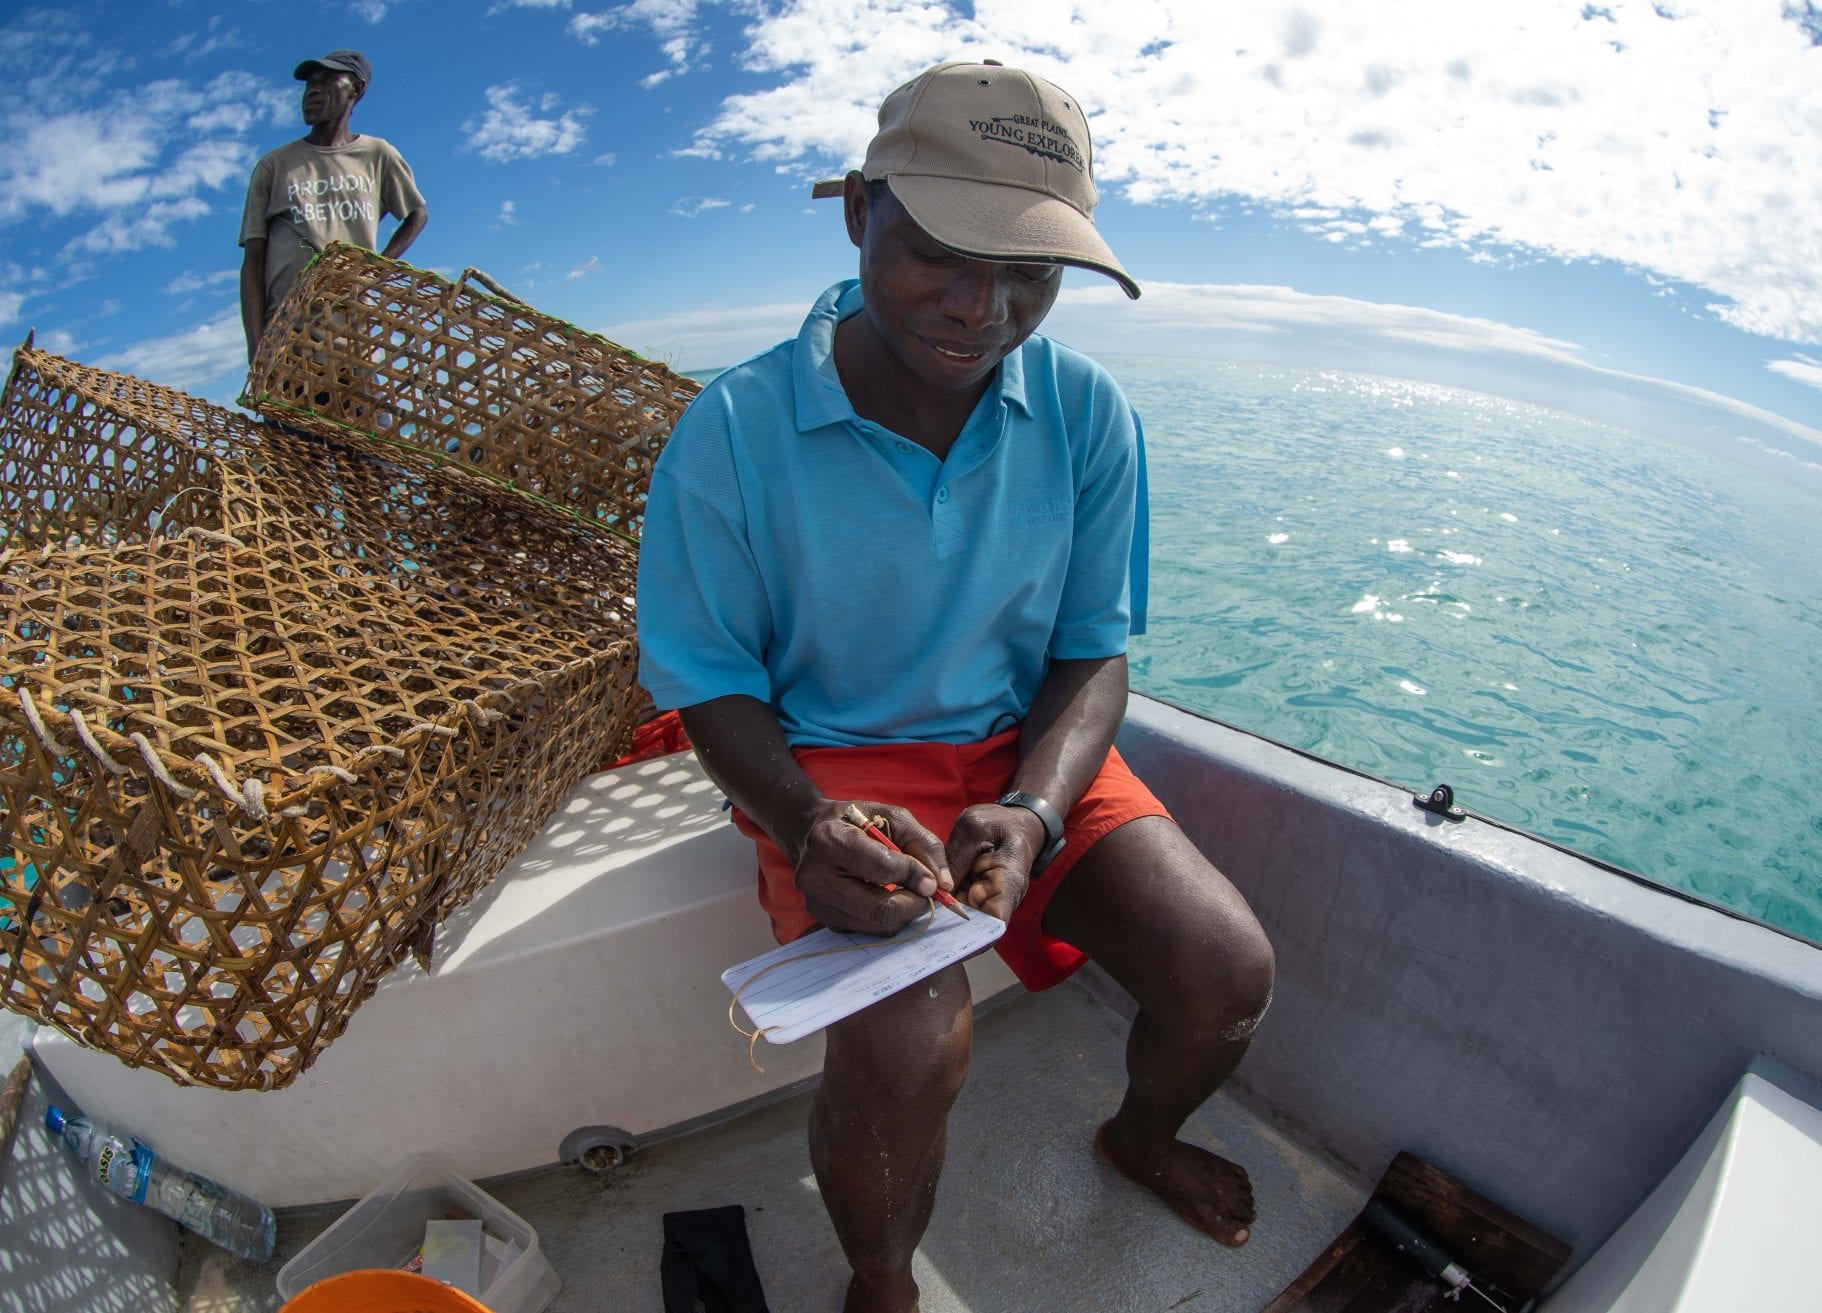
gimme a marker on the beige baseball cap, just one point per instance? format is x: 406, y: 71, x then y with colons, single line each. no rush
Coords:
x: 995, y: 164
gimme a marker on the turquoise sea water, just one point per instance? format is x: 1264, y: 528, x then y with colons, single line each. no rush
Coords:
x: 1604, y: 638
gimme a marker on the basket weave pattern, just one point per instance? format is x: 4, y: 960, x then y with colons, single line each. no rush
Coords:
x: 453, y: 374
x: 270, y: 706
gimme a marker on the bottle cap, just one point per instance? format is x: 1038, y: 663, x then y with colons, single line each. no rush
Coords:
x: 54, y: 1118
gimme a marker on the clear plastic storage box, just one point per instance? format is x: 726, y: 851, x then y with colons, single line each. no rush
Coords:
x: 386, y: 1230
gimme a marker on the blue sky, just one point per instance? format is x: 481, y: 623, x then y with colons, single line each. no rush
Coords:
x: 1616, y: 209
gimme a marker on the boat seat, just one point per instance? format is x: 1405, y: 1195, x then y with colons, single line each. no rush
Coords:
x: 1732, y: 1225
x: 581, y: 988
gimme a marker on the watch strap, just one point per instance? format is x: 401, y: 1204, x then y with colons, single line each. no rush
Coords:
x: 1052, y: 821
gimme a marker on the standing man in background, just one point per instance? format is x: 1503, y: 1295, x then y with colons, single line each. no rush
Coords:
x: 329, y: 185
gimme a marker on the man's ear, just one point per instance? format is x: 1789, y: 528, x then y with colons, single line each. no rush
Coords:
x: 360, y: 89
x: 854, y: 206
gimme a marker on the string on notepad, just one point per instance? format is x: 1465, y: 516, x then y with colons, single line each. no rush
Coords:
x: 752, y: 1036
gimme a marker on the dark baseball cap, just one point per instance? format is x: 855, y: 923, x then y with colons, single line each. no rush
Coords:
x: 338, y: 61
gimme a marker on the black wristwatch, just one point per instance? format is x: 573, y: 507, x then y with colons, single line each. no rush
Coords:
x: 1053, y: 826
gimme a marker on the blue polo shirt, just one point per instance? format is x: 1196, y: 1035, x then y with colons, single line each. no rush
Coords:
x: 869, y: 592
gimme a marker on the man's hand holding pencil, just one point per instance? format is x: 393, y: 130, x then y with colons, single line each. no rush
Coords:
x: 870, y: 825
x: 870, y: 883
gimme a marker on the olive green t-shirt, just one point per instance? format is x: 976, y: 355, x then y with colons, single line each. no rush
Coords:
x: 302, y: 197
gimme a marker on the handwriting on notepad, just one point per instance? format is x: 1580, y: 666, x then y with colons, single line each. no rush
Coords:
x: 811, y: 987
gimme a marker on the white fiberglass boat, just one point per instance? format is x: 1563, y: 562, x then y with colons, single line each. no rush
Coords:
x: 1626, y: 1069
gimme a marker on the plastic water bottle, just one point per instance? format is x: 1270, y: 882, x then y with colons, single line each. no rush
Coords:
x: 238, y: 1224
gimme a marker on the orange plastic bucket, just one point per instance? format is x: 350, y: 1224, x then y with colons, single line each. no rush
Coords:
x: 381, y: 1291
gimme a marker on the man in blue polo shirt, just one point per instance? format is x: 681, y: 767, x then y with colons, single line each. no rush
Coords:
x: 893, y: 564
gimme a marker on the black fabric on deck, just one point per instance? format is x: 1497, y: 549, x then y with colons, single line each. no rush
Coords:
x: 708, y: 1265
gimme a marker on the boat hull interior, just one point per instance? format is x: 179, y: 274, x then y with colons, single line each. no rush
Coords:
x: 1551, y: 1033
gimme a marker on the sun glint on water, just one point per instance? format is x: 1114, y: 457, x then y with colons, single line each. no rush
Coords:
x: 1607, y: 639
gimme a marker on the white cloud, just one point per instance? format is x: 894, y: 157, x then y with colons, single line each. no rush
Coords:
x: 710, y: 337
x: 664, y: 17
x: 1277, y: 324
x: 187, y: 282
x: 1282, y: 326
x: 373, y: 11
x: 508, y: 214
x: 50, y: 60
x: 59, y: 342
x: 278, y: 106
x: 18, y: 284
x: 213, y: 165
x: 1804, y: 369
x: 141, y: 160
x: 210, y: 356
x: 690, y: 207
x: 235, y: 117
x: 71, y: 162
x: 672, y: 21
x: 148, y: 226
x: 56, y: 341
x: 509, y: 130
x: 1245, y: 316
x: 678, y: 50
x: 1686, y: 142
x: 196, y: 44
x: 528, y: 4
x: 588, y: 28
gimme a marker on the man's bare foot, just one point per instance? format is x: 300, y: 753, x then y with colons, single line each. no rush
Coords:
x: 880, y: 1297
x: 1210, y: 1193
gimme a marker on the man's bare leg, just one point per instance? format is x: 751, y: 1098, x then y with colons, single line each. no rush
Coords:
x: 879, y: 1127
x: 1182, y: 941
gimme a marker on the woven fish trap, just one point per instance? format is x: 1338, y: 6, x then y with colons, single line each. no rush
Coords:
x: 460, y: 372
x: 270, y: 707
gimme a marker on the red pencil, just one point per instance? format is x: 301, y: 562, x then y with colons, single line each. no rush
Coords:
x: 854, y: 816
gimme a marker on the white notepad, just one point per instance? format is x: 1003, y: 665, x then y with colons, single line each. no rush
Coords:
x: 803, y: 997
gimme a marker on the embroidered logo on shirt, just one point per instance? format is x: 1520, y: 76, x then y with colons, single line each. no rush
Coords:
x: 1041, y: 510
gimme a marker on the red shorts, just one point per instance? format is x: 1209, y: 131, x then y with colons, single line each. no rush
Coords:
x: 934, y: 782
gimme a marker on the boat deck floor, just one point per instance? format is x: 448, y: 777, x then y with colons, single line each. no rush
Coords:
x: 1028, y: 1219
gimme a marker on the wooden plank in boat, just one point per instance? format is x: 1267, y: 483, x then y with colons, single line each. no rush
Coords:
x: 1507, y: 1257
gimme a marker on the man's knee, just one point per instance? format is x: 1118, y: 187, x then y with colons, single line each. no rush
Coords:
x: 1220, y: 981
x: 914, y: 1045
x: 1251, y: 971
